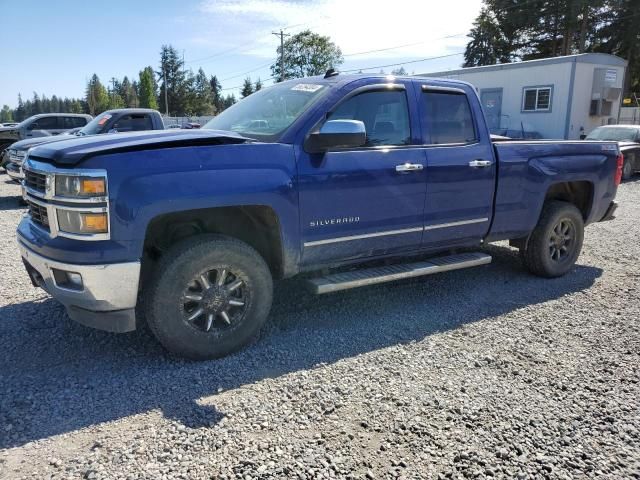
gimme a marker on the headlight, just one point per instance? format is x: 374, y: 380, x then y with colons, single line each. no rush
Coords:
x: 77, y: 186
x: 17, y: 156
x: 71, y: 221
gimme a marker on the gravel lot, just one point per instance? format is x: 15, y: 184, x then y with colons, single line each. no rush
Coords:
x: 481, y: 373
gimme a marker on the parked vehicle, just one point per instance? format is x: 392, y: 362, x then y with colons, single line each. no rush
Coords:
x: 515, y: 134
x: 191, y: 125
x: 42, y: 125
x: 310, y: 175
x: 9, y: 124
x: 111, y: 121
x: 628, y: 138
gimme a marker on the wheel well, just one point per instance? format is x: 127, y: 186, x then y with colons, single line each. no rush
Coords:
x: 256, y: 225
x: 579, y: 193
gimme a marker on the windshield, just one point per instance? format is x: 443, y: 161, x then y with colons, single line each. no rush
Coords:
x: 96, y: 125
x: 614, y: 134
x: 268, y: 112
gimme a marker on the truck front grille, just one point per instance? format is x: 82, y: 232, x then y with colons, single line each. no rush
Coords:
x: 35, y: 181
x: 39, y: 215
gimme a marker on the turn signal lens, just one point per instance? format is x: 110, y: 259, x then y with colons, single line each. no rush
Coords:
x: 83, y: 187
x: 93, y: 187
x: 95, y: 222
x: 71, y: 221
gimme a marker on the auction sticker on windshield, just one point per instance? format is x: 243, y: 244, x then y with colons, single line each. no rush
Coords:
x: 306, y: 87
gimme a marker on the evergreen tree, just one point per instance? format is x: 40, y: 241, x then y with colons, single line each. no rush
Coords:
x: 487, y: 45
x: 216, y: 90
x: 36, y: 104
x: 173, y: 80
x: 6, y: 115
x: 399, y: 71
x: 203, y: 101
x: 258, y: 85
x: 247, y: 88
x: 19, y: 113
x: 229, y: 100
x: 148, y: 89
x: 96, y: 96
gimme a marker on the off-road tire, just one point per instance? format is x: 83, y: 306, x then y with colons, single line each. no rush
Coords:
x: 537, y: 254
x: 164, y: 298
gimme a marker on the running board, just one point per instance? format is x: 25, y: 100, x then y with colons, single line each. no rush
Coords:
x: 370, y: 276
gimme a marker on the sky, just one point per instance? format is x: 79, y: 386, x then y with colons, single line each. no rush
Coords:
x: 54, y: 47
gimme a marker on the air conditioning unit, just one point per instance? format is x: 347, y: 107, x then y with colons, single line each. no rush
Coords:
x: 606, y: 90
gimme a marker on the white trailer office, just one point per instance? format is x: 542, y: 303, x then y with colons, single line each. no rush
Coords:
x: 558, y: 98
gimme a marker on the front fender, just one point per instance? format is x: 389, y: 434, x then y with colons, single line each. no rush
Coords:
x: 146, y: 184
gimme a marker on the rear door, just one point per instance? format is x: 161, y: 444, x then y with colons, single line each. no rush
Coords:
x: 460, y: 165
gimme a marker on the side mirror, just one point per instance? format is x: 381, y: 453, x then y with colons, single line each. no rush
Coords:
x: 32, y: 126
x: 336, y: 134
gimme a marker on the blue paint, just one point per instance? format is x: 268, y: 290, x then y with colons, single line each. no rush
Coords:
x: 320, y: 197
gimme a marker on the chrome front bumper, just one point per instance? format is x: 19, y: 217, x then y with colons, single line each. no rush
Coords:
x: 106, y: 299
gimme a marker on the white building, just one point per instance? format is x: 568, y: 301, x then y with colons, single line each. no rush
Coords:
x: 561, y: 97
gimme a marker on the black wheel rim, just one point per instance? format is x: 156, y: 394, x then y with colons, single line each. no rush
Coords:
x: 215, y: 301
x: 562, y: 240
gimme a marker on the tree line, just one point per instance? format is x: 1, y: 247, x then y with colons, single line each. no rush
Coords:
x: 179, y: 91
x: 188, y: 93
x: 512, y: 30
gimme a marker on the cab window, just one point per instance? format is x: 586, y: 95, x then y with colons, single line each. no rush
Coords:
x: 385, y: 115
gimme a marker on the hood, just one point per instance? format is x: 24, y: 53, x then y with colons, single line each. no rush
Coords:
x: 77, y: 149
x: 32, y: 142
x: 9, y: 133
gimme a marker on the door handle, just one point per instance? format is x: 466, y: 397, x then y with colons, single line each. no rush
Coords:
x: 480, y: 163
x: 409, y: 167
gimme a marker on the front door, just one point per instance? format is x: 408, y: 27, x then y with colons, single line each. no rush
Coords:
x: 491, y: 99
x: 461, y: 169
x: 364, y: 202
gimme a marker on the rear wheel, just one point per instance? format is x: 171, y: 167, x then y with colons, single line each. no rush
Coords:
x: 210, y: 296
x: 556, y: 241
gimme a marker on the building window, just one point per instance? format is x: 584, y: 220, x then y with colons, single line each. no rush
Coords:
x: 536, y: 99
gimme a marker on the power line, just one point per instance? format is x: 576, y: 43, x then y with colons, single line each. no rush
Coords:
x: 247, y: 72
x: 401, y: 46
x: 404, y: 63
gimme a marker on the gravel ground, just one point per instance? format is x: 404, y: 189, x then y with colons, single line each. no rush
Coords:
x: 488, y: 372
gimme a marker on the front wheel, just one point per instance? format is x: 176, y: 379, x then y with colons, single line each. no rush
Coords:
x: 556, y: 241
x: 209, y: 296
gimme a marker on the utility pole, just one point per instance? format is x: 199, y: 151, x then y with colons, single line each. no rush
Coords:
x: 113, y: 88
x: 166, y: 102
x: 281, y: 34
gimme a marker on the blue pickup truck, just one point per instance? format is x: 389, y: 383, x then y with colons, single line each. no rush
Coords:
x: 355, y: 180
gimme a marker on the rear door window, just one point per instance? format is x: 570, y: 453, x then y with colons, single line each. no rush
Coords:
x: 447, y: 118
